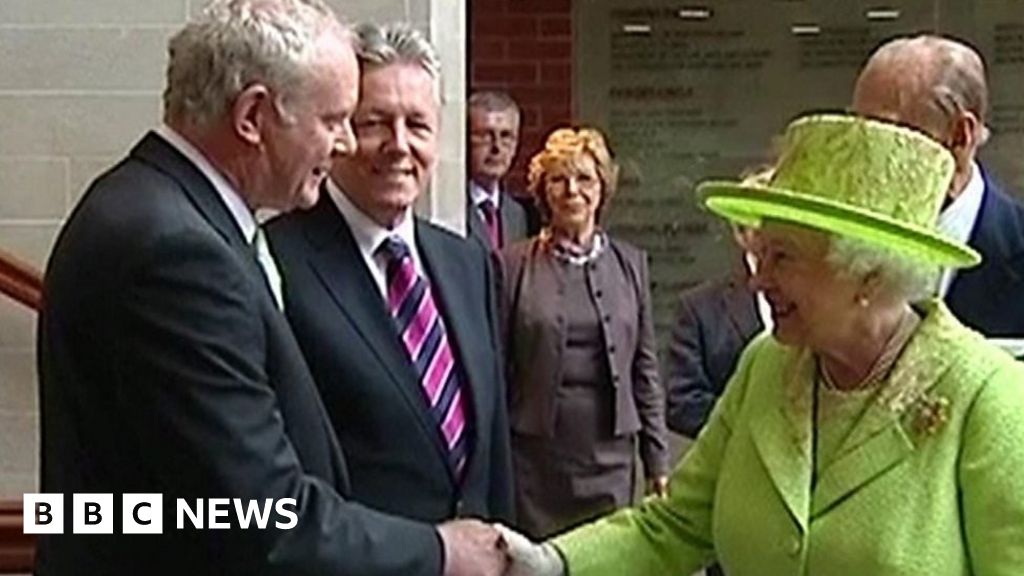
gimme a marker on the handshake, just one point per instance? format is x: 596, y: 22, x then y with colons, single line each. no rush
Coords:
x: 473, y: 548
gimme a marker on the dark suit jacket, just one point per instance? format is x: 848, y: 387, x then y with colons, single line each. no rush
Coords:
x: 990, y: 296
x: 165, y: 367
x: 715, y: 321
x: 534, y: 339
x: 514, y: 223
x: 396, y: 453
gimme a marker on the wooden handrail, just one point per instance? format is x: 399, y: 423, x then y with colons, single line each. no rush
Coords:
x: 20, y: 281
x: 17, y: 550
x: 23, y: 283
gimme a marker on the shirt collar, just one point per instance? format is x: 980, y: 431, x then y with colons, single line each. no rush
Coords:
x: 236, y: 206
x: 367, y: 232
x: 479, y: 194
x: 958, y: 219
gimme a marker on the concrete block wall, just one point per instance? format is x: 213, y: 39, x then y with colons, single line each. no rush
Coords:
x: 80, y: 82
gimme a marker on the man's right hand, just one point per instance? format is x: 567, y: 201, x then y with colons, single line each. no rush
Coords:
x: 472, y: 548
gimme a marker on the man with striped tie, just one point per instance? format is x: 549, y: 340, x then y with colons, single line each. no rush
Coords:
x: 394, y: 314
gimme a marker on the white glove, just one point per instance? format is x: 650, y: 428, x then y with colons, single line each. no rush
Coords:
x: 529, y: 559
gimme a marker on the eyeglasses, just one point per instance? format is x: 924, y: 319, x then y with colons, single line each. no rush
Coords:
x: 506, y: 138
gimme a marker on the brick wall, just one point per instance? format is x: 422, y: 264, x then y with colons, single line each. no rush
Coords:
x: 525, y: 48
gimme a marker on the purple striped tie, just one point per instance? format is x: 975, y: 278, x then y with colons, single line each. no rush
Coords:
x: 490, y: 213
x: 422, y: 330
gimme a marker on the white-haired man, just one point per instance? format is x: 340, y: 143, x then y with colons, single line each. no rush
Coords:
x: 938, y: 86
x: 165, y: 364
x: 393, y: 313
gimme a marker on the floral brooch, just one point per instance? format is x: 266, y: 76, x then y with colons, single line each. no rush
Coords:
x: 930, y: 412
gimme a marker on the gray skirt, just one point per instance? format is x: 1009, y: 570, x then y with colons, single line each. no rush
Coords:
x: 584, y: 472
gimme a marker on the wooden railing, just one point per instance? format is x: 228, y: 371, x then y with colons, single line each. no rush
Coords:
x: 16, y: 549
x: 20, y: 281
x: 23, y: 283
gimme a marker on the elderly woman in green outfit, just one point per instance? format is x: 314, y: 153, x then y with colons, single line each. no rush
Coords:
x: 871, y: 433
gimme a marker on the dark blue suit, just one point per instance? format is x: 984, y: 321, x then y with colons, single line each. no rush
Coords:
x: 990, y: 296
x: 397, y: 457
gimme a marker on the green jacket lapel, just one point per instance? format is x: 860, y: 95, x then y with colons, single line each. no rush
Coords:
x: 885, y: 434
x: 781, y: 431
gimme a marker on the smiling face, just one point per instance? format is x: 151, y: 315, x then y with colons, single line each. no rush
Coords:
x: 302, y: 137
x: 572, y: 191
x: 812, y: 305
x: 396, y: 125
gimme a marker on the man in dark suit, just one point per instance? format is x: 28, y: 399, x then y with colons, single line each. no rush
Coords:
x: 395, y: 315
x: 988, y: 297
x: 165, y: 365
x: 493, y: 215
x: 715, y: 321
x: 938, y: 85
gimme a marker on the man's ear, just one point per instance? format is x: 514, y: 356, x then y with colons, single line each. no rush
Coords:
x: 249, y: 113
x: 965, y: 139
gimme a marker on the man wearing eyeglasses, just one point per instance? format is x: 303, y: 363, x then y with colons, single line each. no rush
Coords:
x: 493, y: 215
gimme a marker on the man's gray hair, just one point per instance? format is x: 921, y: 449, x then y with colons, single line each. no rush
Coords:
x: 396, y: 43
x: 901, y: 275
x: 945, y: 77
x: 236, y: 43
x: 492, y: 101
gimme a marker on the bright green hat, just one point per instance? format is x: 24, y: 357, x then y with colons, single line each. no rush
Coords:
x: 853, y: 177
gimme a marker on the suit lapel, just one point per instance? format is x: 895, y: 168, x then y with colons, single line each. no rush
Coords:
x: 865, y: 461
x: 339, y: 265
x: 998, y: 236
x: 157, y: 152
x: 475, y: 223
x: 513, y: 219
x: 884, y: 437
x: 741, y: 306
x: 450, y: 283
x: 154, y: 150
x: 782, y: 434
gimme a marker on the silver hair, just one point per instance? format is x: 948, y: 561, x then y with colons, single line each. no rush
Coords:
x: 492, y: 101
x: 396, y: 43
x: 235, y: 43
x: 945, y: 78
x: 901, y: 275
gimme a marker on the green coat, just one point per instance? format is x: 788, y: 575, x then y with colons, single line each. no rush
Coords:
x: 929, y: 483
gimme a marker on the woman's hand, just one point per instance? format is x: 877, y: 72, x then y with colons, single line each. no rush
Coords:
x: 527, y: 558
x: 658, y: 486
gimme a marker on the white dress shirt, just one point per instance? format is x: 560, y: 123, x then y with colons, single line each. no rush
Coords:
x: 369, y: 235
x: 478, y: 195
x: 764, y: 310
x: 957, y: 221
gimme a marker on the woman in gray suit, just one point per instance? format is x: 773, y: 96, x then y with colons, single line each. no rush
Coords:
x: 579, y: 348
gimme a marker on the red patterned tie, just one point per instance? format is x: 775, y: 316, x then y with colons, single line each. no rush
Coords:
x: 422, y: 330
x: 490, y: 213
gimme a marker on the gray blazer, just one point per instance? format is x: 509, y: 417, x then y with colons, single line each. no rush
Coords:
x: 715, y: 321
x: 531, y: 292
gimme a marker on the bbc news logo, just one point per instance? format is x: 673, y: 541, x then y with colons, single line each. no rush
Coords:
x: 144, y: 514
